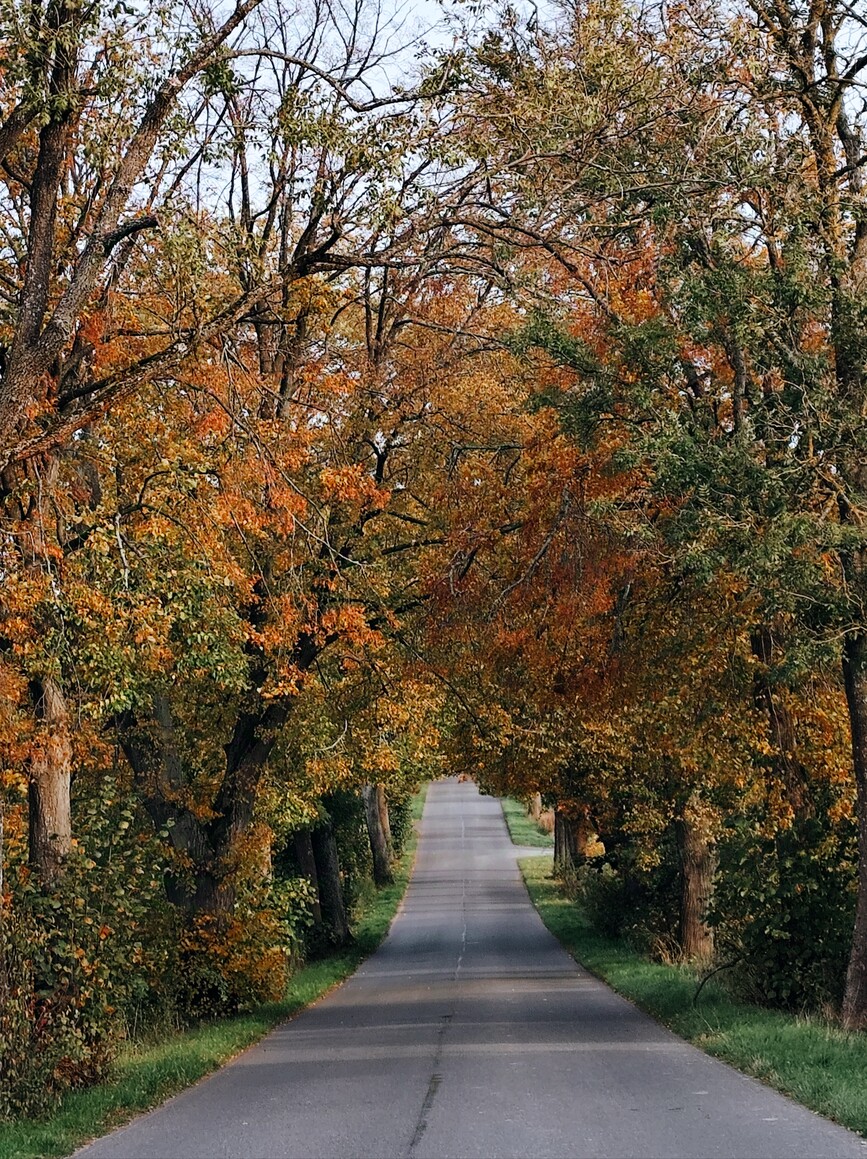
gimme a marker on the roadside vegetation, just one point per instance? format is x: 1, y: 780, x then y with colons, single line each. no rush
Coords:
x: 148, y: 1071
x: 804, y: 1055
x: 524, y: 829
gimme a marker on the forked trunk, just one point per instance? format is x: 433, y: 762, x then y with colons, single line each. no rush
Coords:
x: 855, y: 679
x: 330, y: 885
x: 698, y: 867
x: 379, y: 845
x: 50, y: 809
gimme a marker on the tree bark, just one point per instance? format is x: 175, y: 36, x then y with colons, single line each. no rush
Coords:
x: 307, y: 865
x: 698, y: 867
x: 559, y: 838
x: 384, y: 820
x: 572, y: 834
x: 535, y: 807
x: 379, y: 844
x: 50, y: 821
x: 329, y: 883
x: 855, y: 679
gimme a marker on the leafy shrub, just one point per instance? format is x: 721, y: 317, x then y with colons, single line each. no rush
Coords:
x: 784, y: 908
x: 622, y: 900
x: 346, y: 810
x: 76, y: 960
x: 400, y: 820
x: 233, y: 962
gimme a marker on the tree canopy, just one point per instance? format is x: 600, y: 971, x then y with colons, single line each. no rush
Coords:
x: 373, y: 408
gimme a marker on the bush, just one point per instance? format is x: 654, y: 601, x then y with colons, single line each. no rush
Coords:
x: 74, y: 962
x: 622, y: 900
x: 346, y: 810
x: 783, y: 910
x: 400, y: 820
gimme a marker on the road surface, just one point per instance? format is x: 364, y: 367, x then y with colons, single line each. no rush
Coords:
x: 472, y: 1033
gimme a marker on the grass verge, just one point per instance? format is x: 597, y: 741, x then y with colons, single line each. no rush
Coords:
x: 817, y: 1064
x: 522, y: 828
x: 146, y: 1075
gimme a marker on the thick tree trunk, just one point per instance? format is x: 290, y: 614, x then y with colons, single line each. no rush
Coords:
x: 307, y: 865
x: 698, y: 867
x: 50, y: 826
x: 379, y: 846
x: 330, y: 885
x: 211, y: 851
x: 572, y: 835
x: 855, y: 678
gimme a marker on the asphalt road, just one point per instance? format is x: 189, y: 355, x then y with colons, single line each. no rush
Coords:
x: 472, y: 1033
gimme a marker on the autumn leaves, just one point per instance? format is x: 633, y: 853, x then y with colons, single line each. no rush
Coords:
x: 511, y: 425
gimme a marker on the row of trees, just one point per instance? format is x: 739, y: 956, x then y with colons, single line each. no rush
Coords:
x: 511, y: 415
x: 217, y: 450
x: 675, y: 629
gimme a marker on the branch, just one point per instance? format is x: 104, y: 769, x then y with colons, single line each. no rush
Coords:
x: 128, y: 230
x: 14, y: 126
x: 33, y: 352
x: 120, y: 385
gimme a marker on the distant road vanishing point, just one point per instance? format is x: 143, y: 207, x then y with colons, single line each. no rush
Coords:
x: 471, y: 1032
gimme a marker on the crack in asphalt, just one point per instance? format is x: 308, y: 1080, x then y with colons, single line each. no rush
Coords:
x: 433, y: 1086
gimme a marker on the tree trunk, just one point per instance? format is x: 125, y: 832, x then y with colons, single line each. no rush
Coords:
x: 307, y: 865
x: 535, y: 807
x: 559, y: 839
x: 382, y: 804
x: 571, y: 838
x: 50, y: 824
x: 382, y: 874
x: 212, y: 852
x: 330, y: 885
x: 698, y: 866
x: 855, y: 678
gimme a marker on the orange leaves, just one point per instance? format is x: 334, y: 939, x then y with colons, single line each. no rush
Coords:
x: 215, y: 421
x: 352, y: 483
x: 350, y: 623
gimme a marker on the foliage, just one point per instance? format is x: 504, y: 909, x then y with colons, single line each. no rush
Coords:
x: 400, y: 819
x: 783, y: 910
x: 148, y: 1071
x: 81, y: 964
x: 510, y: 424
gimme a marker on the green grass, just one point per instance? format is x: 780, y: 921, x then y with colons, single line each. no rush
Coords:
x: 816, y: 1063
x: 146, y: 1075
x: 522, y: 828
